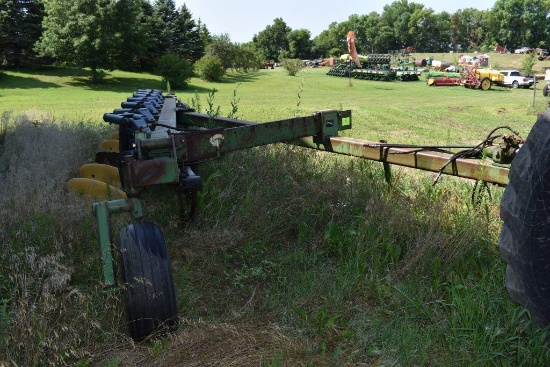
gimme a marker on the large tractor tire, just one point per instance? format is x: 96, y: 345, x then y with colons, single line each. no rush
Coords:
x: 147, y: 282
x: 525, y: 238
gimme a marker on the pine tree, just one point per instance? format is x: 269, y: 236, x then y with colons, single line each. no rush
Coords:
x: 20, y: 28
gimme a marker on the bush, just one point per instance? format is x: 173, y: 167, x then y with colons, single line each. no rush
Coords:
x: 174, y: 70
x: 209, y: 68
x: 527, y: 63
x: 293, y: 66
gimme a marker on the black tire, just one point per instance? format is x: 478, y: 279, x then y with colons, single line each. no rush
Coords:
x: 147, y: 282
x: 515, y: 84
x: 545, y: 90
x: 525, y: 238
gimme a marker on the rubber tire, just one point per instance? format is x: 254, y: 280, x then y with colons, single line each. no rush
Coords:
x: 524, y: 242
x: 515, y: 84
x: 486, y: 84
x: 545, y: 90
x: 147, y: 281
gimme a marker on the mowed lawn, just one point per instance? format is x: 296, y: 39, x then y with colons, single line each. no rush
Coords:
x: 400, y: 112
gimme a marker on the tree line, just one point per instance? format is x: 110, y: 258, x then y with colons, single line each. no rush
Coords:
x: 136, y: 34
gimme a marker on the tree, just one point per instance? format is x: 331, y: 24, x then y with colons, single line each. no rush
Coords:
x: 395, y: 21
x: 469, y: 29
x: 79, y: 32
x: 174, y: 70
x: 222, y: 47
x: 272, y: 41
x: 186, y: 40
x: 133, y: 41
x: 429, y: 30
x: 516, y: 23
x: 299, y: 44
x: 20, y: 28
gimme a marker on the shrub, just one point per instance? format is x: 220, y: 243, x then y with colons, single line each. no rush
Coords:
x: 293, y: 66
x: 209, y: 68
x: 527, y: 63
x: 174, y: 70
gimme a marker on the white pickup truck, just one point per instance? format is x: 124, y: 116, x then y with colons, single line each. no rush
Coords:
x: 514, y: 79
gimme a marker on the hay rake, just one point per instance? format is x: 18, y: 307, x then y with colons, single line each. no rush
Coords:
x: 160, y: 140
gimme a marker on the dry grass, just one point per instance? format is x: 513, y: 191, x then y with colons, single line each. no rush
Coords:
x: 234, y: 343
x: 45, y: 237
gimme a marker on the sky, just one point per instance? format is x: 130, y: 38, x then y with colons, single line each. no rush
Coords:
x: 242, y: 19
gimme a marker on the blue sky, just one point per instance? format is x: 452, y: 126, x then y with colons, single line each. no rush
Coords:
x: 241, y: 19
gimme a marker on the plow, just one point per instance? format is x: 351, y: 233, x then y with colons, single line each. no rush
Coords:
x: 161, y: 141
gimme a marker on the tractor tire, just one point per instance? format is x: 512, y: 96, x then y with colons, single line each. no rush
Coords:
x: 486, y: 84
x: 524, y: 242
x: 147, y: 282
x: 545, y: 90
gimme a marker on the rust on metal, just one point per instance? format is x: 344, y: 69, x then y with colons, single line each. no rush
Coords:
x: 410, y: 157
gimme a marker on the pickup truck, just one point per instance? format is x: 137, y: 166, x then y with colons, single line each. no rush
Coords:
x: 514, y: 79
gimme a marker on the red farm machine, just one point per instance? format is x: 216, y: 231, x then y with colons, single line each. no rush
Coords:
x: 161, y: 141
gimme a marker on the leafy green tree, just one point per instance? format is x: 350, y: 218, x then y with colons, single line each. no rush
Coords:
x: 299, y: 44
x: 272, y: 41
x: 247, y: 58
x: 222, y: 47
x: 80, y: 32
x: 20, y: 28
x: 396, y: 19
x: 429, y: 30
x: 517, y: 23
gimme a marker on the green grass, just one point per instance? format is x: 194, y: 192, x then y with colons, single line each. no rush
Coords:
x: 296, y: 257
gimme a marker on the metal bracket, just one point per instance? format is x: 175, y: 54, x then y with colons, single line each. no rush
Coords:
x: 102, y: 212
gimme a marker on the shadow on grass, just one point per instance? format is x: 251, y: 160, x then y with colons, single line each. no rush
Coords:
x: 8, y: 81
x: 234, y: 78
x: 116, y: 84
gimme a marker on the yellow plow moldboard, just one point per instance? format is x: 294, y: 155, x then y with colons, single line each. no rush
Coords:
x: 109, y: 145
x: 101, y: 172
x: 95, y: 189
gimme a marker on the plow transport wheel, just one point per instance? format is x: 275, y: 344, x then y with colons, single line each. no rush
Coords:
x: 525, y: 238
x: 486, y: 84
x: 146, y: 280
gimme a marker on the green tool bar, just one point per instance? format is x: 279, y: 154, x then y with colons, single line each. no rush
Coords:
x: 204, y: 144
x: 409, y: 157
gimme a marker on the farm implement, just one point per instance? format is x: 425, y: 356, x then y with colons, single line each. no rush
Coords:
x: 160, y: 140
x: 471, y: 76
x: 377, y: 67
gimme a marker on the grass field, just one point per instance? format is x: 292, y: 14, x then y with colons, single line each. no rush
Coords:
x: 296, y: 258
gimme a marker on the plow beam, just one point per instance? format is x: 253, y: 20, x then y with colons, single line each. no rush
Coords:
x: 410, y: 157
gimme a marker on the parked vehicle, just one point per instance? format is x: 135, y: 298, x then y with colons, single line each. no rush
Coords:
x: 514, y: 79
x: 524, y: 50
x: 546, y: 87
